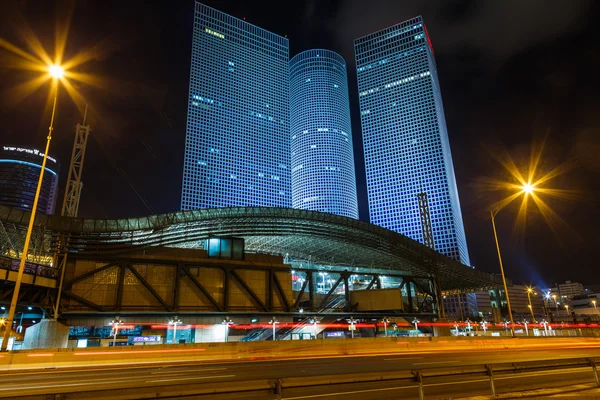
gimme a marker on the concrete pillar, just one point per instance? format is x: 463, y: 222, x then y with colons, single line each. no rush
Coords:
x: 48, y: 333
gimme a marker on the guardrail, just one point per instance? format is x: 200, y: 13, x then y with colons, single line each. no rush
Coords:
x: 279, y: 386
x: 419, y: 376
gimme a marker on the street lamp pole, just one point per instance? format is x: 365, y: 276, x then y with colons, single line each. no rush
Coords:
x: 529, y: 291
x: 512, y: 329
x: 56, y: 72
x: 175, y: 321
x: 484, y: 326
x: 115, y: 324
x: 595, y: 309
x: 274, y: 322
x: 385, y: 321
x: 227, y: 322
x: 352, y: 327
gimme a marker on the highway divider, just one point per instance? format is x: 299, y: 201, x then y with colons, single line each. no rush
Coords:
x: 269, y: 350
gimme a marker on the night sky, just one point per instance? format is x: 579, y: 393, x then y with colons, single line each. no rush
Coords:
x: 513, y: 74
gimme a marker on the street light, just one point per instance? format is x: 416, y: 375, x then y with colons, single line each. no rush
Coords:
x: 555, y: 304
x: 484, y: 326
x: 274, y: 322
x: 545, y: 324
x: 175, y: 321
x: 468, y: 321
x: 416, y: 322
x: 315, y: 322
x: 56, y: 72
x: 385, y: 321
x: 526, y: 188
x: 115, y: 324
x: 595, y: 309
x: 351, y: 321
x: 529, y: 291
x: 227, y: 322
x: 526, y: 330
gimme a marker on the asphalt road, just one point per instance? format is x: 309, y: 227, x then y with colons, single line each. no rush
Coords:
x: 123, y: 378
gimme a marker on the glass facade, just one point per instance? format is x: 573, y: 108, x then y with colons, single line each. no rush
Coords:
x: 19, y: 175
x: 405, y: 139
x: 237, y: 150
x: 321, y: 138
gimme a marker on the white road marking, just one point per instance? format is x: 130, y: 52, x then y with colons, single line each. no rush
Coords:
x: 436, y: 362
x: 402, y: 359
x: 189, y: 378
x: 186, y: 370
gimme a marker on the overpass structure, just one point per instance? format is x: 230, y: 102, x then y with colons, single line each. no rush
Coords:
x: 162, y: 263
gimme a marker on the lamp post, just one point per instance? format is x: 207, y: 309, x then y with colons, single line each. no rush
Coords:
x: 545, y: 325
x: 227, y: 322
x: 567, y: 310
x: 274, y: 322
x: 351, y: 327
x: 555, y: 303
x: 175, y: 321
x: 506, y: 323
x: 456, y: 328
x: 526, y: 330
x: 484, y: 326
x: 115, y: 324
x: 526, y: 188
x: 56, y: 72
x: 416, y: 322
x: 595, y: 309
x: 493, y: 214
x: 468, y: 322
x: 529, y: 291
x: 315, y: 322
x: 385, y: 321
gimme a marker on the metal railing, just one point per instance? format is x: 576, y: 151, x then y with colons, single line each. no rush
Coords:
x: 279, y: 386
x: 11, y: 264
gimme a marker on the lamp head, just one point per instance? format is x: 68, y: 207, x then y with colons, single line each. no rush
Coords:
x: 56, y: 71
x: 528, y: 188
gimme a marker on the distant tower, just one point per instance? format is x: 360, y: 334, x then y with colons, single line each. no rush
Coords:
x: 19, y: 175
x: 323, y: 176
x: 237, y: 147
x: 405, y: 139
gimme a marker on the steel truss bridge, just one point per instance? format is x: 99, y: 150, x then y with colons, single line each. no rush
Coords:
x: 341, y: 243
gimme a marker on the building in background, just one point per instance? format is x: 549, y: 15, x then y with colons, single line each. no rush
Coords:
x: 566, y: 291
x: 405, y: 141
x: 237, y: 149
x: 322, y: 160
x: 19, y: 175
x: 491, y: 304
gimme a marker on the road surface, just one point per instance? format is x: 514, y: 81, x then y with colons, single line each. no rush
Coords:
x: 145, y: 379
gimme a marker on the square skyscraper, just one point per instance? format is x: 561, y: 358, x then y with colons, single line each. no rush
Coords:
x: 237, y: 148
x: 405, y: 139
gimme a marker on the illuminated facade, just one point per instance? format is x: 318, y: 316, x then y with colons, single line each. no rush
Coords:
x: 237, y: 150
x: 321, y: 138
x: 405, y: 139
x: 19, y: 175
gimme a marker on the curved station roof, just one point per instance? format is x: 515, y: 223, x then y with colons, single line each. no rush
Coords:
x: 324, y: 238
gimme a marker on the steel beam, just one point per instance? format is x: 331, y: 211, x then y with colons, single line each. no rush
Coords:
x: 249, y: 290
x: 83, y: 301
x: 197, y: 283
x: 149, y: 287
x: 282, y: 295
